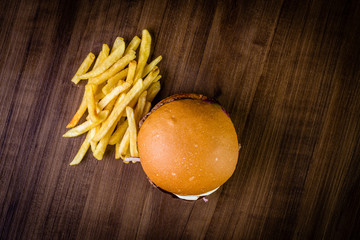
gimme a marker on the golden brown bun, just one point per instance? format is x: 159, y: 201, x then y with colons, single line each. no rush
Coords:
x: 188, y: 146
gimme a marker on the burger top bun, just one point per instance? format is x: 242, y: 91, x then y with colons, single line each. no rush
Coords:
x: 188, y: 145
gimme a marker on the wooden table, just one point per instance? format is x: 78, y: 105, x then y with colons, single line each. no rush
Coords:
x: 288, y: 72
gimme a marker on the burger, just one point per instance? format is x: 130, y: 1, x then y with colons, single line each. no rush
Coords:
x: 188, y: 145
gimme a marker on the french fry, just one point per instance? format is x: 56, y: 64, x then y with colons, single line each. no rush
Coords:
x: 118, y: 66
x: 99, y: 96
x: 146, y: 109
x: 113, y: 94
x: 102, y: 55
x: 120, y: 82
x: 150, y: 78
x: 144, y: 53
x: 133, y: 131
x: 119, y: 132
x: 83, y: 106
x: 106, y: 64
x: 78, y: 114
x: 151, y: 66
x: 140, y: 107
x: 147, y: 82
x: 154, y: 89
x: 84, y: 67
x: 86, y: 126
x: 110, y: 105
x: 157, y: 78
x: 90, y: 101
x: 131, y: 72
x: 133, y: 45
x: 82, y: 151
x: 117, y: 150
x: 123, y: 146
x: 111, y: 85
x: 92, y: 133
x: 119, y: 42
x: 118, y: 94
x: 126, y: 156
x: 118, y: 109
x: 117, y: 153
x: 114, y: 80
x: 101, y: 146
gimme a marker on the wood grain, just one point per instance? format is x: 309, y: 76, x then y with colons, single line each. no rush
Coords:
x: 287, y: 72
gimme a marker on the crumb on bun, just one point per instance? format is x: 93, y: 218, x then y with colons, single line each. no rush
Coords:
x: 188, y: 145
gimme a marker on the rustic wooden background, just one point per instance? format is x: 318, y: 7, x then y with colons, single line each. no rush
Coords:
x: 287, y: 71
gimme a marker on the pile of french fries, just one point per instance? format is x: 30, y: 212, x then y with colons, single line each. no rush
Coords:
x: 118, y: 93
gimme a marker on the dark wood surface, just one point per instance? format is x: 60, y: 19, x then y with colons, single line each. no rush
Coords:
x: 288, y: 72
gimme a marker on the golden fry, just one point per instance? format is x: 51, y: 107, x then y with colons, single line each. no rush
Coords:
x: 113, y: 94
x: 83, y: 106
x: 150, y: 78
x: 117, y: 149
x: 133, y: 45
x: 157, y: 78
x: 92, y: 133
x: 118, y: 66
x: 131, y: 72
x: 154, y: 89
x: 118, y: 109
x: 146, y: 109
x: 147, y: 82
x: 119, y: 132
x: 78, y: 114
x: 119, y: 42
x: 120, y: 82
x: 144, y: 53
x: 133, y: 132
x: 82, y: 151
x: 123, y: 147
x: 86, y: 126
x: 111, y: 83
x: 84, y: 67
x: 106, y: 64
x: 127, y: 155
x: 90, y: 101
x: 102, y: 55
x: 140, y: 107
x: 110, y: 105
x: 118, y: 94
x: 99, y: 96
x: 101, y: 146
x: 151, y: 66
